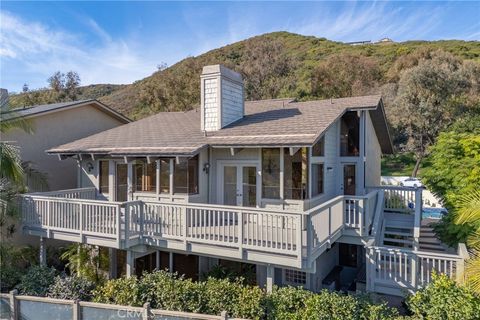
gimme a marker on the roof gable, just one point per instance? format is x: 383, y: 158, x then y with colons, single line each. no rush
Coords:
x: 38, y: 110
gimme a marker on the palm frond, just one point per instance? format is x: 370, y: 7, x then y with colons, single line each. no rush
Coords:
x: 472, y: 271
x: 11, y: 120
x: 10, y: 163
x: 468, y: 210
x: 35, y: 180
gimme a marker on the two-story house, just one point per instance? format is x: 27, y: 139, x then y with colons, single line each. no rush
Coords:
x: 288, y: 190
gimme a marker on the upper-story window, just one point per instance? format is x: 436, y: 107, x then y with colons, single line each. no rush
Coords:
x: 350, y: 135
x: 103, y: 179
x: 165, y: 176
x: 185, y: 176
x: 144, y: 176
x: 318, y: 149
x: 271, y: 173
x: 296, y: 174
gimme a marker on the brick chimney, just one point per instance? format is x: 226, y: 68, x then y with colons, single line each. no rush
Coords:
x: 222, y: 97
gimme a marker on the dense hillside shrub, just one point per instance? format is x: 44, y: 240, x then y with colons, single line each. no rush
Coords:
x: 444, y: 299
x: 71, y: 287
x: 36, y: 281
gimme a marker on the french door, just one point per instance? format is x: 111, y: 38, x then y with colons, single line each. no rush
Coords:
x: 238, y: 184
x: 121, y: 182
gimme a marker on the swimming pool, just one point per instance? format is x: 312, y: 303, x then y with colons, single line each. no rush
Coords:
x: 433, y: 213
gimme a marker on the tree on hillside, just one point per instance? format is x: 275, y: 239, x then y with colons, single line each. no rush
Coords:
x: 345, y: 75
x: 430, y: 97
x: 267, y: 69
x: 64, y: 86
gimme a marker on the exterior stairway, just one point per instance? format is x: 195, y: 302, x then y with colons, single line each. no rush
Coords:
x: 429, y: 241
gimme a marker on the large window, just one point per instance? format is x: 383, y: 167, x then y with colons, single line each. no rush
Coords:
x: 103, y: 177
x: 350, y: 135
x: 144, y: 176
x: 318, y: 149
x: 271, y: 173
x: 317, y: 179
x: 165, y: 176
x: 185, y: 176
x: 295, y: 174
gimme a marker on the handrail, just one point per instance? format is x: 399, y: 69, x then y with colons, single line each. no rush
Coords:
x: 47, y: 193
x: 91, y: 201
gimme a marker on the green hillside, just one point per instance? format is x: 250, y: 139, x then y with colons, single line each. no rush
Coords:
x: 274, y: 65
x: 279, y: 64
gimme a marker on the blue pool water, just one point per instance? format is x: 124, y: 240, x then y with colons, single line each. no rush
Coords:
x: 433, y: 213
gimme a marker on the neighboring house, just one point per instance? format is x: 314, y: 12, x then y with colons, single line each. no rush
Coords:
x: 55, y: 124
x: 287, y: 190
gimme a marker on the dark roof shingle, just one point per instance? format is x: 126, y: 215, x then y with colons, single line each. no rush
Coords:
x: 280, y: 122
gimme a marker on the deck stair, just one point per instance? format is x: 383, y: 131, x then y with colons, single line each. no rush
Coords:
x: 398, y: 230
x: 429, y: 241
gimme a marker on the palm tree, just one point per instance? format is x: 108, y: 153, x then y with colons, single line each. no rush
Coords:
x: 468, y: 212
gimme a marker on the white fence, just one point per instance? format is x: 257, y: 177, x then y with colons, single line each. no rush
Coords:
x: 16, y: 307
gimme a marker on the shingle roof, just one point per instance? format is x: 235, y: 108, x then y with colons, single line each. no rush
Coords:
x: 44, y: 108
x: 280, y: 122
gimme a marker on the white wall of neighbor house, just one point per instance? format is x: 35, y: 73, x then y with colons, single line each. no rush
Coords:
x: 374, y: 155
x: 54, y: 129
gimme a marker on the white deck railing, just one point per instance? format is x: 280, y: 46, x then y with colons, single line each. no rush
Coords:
x: 238, y: 227
x: 359, y: 211
x: 82, y: 217
x: 80, y: 193
x: 411, y: 269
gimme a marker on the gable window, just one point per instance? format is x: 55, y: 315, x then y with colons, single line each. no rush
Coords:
x: 144, y: 176
x: 350, y: 135
x: 165, y: 176
x: 271, y: 173
x: 103, y: 176
x: 318, y: 149
x: 295, y: 174
x: 185, y: 176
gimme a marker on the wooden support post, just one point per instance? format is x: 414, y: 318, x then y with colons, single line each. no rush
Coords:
x: 224, y: 315
x: 270, y: 278
x: 43, y: 254
x: 130, y: 263
x: 112, y: 266
x: 157, y: 260
x: 170, y: 261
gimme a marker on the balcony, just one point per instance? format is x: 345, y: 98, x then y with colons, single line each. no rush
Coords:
x: 283, y: 238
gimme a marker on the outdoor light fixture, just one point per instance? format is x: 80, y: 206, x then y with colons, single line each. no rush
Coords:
x: 89, y: 167
x: 206, y: 167
x: 329, y: 169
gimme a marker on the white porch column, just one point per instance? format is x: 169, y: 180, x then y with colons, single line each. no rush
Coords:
x: 270, y: 278
x: 112, y: 265
x: 43, y: 253
x: 130, y: 263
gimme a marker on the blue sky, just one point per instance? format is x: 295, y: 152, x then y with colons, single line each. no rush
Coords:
x: 120, y: 42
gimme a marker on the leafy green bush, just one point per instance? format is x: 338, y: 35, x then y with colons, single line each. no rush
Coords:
x: 285, y: 303
x: 36, y: 281
x: 444, y: 299
x: 9, y: 277
x: 165, y: 290
x: 72, y: 287
x: 122, y: 291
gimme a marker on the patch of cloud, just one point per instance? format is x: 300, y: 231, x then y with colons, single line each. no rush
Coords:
x: 370, y: 21
x: 34, y: 51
